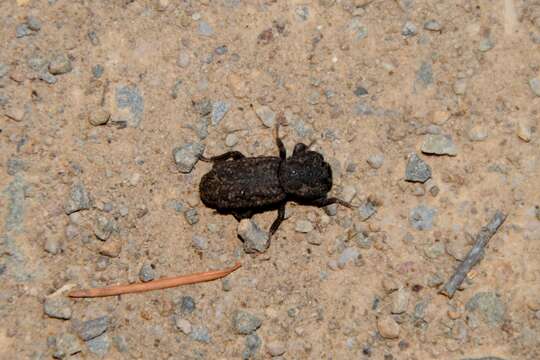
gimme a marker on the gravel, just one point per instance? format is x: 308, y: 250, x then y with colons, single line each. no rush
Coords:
x: 425, y: 73
x: 432, y: 25
x: 66, y: 345
x: 23, y: 30
x: 303, y: 226
x: 422, y: 217
x: 488, y: 306
x: 348, y: 255
x: 186, y: 305
x: 376, y: 161
x: 219, y: 110
x: 400, y: 301
x: 186, y: 156
x: 367, y: 210
x: 104, y: 228
x: 183, y: 325
x: 58, y: 308
x: 99, y: 117
x: 409, y: 29
x: 60, y: 64
x: 130, y: 99
x: 252, y: 346
x: 200, y: 334
x: 97, y: 71
x: 266, y: 115
x: 245, y: 323
x: 99, y: 345
x: 255, y: 239
x: 91, y: 329
x: 534, y: 84
x: 79, y: 199
x: 275, y: 348
x: 417, y: 170
x: 199, y: 242
x: 387, y: 327
x: 147, y: 273
x: 439, y: 145
x: 205, y: 29
x: 191, y: 216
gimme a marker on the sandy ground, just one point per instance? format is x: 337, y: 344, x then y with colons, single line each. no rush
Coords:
x: 368, y: 80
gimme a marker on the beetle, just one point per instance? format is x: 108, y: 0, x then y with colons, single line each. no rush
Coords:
x: 243, y: 186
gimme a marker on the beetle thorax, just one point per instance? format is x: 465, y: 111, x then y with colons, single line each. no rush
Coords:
x: 306, y: 175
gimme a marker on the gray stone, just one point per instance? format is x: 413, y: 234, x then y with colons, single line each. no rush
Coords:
x: 302, y: 12
x: 376, y: 161
x: 275, y: 348
x: 221, y: 50
x: 460, y: 86
x: 400, y: 301
x: 15, y: 193
x: 130, y: 98
x: 331, y: 210
x: 488, y: 306
x: 15, y: 165
x: 435, y: 250
x: 147, y: 273
x: 205, y: 29
x: 486, y: 44
x: 99, y: 345
x: 66, y: 345
x: 200, y: 334
x: 360, y: 91
x: 219, y: 110
x: 191, y: 216
x: 409, y: 29
x: 104, y: 228
x: 253, y: 344
x: 439, y: 145
x: 534, y: 84
x: 245, y: 323
x: 199, y: 242
x: 432, y: 25
x: 477, y: 133
x: 47, y: 77
x: 58, y: 308
x: 422, y: 217
x: 231, y: 140
x: 183, y: 60
x: 23, y: 30
x: 267, y: 115
x: 33, y: 23
x: 59, y: 65
x: 120, y: 343
x: 182, y: 324
x: 425, y: 73
x: 186, y: 156
x: 303, y: 226
x: 367, y: 210
x: 53, y: 245
x: 91, y: 329
x: 348, y: 255
x: 203, y: 107
x: 186, y: 305
x: 4, y: 69
x: 79, y: 199
x: 37, y: 63
x: 417, y: 170
x: 93, y: 37
x: 97, y: 71
x: 255, y: 239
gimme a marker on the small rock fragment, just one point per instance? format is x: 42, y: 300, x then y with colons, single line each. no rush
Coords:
x: 253, y: 344
x: 186, y: 304
x: 422, y: 217
x: 477, y: 133
x: 219, y: 110
x: 348, y: 255
x: 104, y: 228
x: 111, y: 248
x: 183, y: 60
x: 99, y: 117
x: 367, y: 210
x: 388, y: 328
x: 231, y: 140
x: 33, y: 23
x: 23, y: 30
x: 58, y: 308
x: 460, y: 87
x: 130, y: 104
x: 360, y: 91
x: 425, y: 73
x: 186, y: 156
x: 489, y: 306
x: 376, y: 161
x: 199, y: 242
x: 255, y: 239
x: 15, y: 114
x: 534, y: 84
x: 60, y: 65
x: 147, y: 273
x: 417, y: 170
x: 432, y: 25
x: 400, y: 301
x: 66, y: 345
x: 245, y: 323
x: 205, y: 29
x: 78, y: 200
x: 275, y: 348
x: 439, y: 145
x: 91, y: 329
x: 99, y: 345
x: 183, y: 325
x: 303, y: 226
x: 409, y: 29
x: 486, y: 44
x: 238, y: 86
x: 524, y: 131
x: 267, y: 115
x: 53, y: 245
x: 191, y: 216
x: 200, y: 334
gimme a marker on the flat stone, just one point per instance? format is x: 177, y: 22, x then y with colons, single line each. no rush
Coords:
x: 183, y: 325
x: 366, y: 210
x: 477, y: 133
x: 130, y: 102
x: 15, y: 113
x: 348, y: 193
x: 23, y: 30
x: 417, y: 170
x: 191, y: 216
x: 91, y: 329
x: 111, y: 248
x: 67, y: 345
x: 348, y: 255
x: 486, y: 44
x: 79, y: 199
x: 376, y: 161
x: 186, y: 156
x: 245, y: 323
x: 33, y: 23
x: 255, y: 239
x: 303, y: 226
x: 266, y: 115
x: 275, y: 348
x: 219, y: 110
x: 60, y: 65
x: 231, y: 140
x: 99, y: 345
x: 58, y: 308
x: 460, y: 87
x: 422, y: 217
x: 400, y: 301
x: 432, y: 25
x: 534, y: 84
x: 104, y: 228
x: 489, y: 306
x: 387, y: 327
x: 439, y: 145
x: 200, y: 334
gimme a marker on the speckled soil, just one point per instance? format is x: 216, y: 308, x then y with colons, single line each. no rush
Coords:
x: 349, y: 74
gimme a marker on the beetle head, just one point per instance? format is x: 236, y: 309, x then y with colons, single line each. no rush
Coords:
x: 305, y: 174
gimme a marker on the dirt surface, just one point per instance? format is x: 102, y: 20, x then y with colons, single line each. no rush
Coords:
x: 96, y: 95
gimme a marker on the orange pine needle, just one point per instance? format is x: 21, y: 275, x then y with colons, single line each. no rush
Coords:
x: 159, y: 284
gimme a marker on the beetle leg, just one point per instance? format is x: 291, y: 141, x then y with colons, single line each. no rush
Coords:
x: 281, y: 147
x: 235, y: 155
x: 279, y: 220
x: 329, y: 201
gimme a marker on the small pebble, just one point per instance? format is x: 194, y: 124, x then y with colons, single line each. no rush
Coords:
x: 199, y: 242
x: 97, y: 71
x: 245, y: 323
x: 524, y: 131
x: 348, y: 255
x: 255, y: 239
x: 534, y: 84
x: 60, y: 65
x: 183, y: 325
x: 366, y: 210
x: 79, y: 199
x: 183, y: 60
x: 331, y: 210
x: 422, y: 217
x: 425, y: 73
x: 104, y: 228
x: 99, y: 117
x: 221, y: 50
x: 253, y: 344
x: 219, y: 110
x: 231, y: 140
x: 489, y: 306
x: 486, y: 44
x: 66, y: 345
x: 23, y: 30
x: 303, y: 226
x: 99, y: 345
x: 409, y: 29
x: 360, y: 91
x: 266, y: 115
x: 205, y: 29
x: 186, y: 156
x: 417, y: 170
x: 376, y: 161
x: 58, y: 308
x: 400, y: 301
x: 477, y: 133
x: 432, y: 25
x: 93, y: 37
x: 53, y: 245
x: 275, y: 348
x: 388, y: 328
x: 16, y: 113
x: 460, y: 86
x: 434, y: 251
x: 187, y: 304
x: 439, y: 145
x: 33, y: 23
x: 191, y: 216
x: 147, y: 273
x: 200, y: 334
x: 111, y: 248
x: 91, y: 329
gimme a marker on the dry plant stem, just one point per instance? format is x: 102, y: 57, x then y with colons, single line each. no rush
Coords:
x: 155, y: 285
x: 474, y: 255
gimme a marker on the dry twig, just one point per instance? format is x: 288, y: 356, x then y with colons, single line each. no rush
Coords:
x: 156, y: 284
